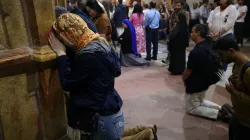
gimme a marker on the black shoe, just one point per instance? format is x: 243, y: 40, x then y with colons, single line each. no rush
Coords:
x: 154, y: 58
x: 148, y: 59
x: 139, y: 55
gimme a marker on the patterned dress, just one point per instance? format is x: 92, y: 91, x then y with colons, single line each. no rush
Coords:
x: 137, y: 20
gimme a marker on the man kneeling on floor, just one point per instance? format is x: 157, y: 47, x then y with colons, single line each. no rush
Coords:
x: 197, y: 76
x: 239, y: 88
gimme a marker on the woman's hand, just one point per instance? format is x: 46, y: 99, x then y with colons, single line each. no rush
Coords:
x: 56, y: 45
x: 215, y: 36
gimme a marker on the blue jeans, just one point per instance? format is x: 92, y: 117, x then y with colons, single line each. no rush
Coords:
x: 110, y: 127
x: 152, y: 37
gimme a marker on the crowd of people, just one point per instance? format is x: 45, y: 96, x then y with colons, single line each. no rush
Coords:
x: 83, y: 37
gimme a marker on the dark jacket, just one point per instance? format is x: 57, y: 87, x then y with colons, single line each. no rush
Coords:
x: 89, y: 22
x: 90, y: 80
x: 119, y: 15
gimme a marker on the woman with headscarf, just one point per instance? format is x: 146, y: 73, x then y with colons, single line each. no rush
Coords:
x: 100, y: 18
x: 94, y: 106
x: 137, y: 20
x: 178, y: 41
x: 129, y: 54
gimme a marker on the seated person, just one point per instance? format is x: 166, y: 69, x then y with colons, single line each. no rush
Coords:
x: 128, y: 53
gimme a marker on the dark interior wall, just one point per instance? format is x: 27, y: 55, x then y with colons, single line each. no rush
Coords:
x: 247, y: 20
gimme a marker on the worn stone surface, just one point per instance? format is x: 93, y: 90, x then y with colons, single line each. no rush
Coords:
x: 18, y: 109
x: 13, y: 21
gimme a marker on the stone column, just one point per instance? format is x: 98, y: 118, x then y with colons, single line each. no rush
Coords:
x: 32, y: 105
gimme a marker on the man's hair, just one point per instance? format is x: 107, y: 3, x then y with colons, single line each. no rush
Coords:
x: 202, y: 29
x: 225, y: 44
x: 205, y: 1
x: 93, y: 4
x: 146, y: 5
x: 180, y: 2
x: 152, y: 4
x: 120, y: 1
x: 196, y: 4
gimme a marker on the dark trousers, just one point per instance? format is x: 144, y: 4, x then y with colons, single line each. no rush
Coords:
x: 238, y: 131
x: 192, y: 23
x: 239, y: 32
x: 152, y: 37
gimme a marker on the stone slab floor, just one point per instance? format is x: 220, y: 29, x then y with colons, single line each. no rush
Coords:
x: 152, y: 96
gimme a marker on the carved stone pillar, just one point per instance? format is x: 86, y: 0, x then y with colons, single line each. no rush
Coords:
x: 32, y: 105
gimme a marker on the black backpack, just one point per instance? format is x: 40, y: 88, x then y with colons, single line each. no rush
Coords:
x: 214, y: 65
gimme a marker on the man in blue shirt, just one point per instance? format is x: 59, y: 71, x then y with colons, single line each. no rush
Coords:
x: 151, y: 24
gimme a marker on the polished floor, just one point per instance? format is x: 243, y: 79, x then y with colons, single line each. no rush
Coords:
x: 152, y: 96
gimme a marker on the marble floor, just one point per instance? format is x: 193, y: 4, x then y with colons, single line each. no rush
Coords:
x: 152, y: 96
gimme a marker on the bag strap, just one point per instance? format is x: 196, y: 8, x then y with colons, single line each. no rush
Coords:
x: 244, y: 69
x: 152, y: 19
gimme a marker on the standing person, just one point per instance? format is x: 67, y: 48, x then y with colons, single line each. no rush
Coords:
x: 145, y: 10
x: 163, y: 27
x: 222, y: 20
x: 197, y: 76
x: 94, y: 106
x: 179, y: 8
x: 100, y: 19
x: 164, y: 11
x: 239, y: 25
x: 119, y: 16
x: 239, y: 88
x: 178, y: 41
x: 112, y: 6
x: 137, y: 20
x: 132, y: 9
x: 195, y: 15
x: 204, y: 12
x: 151, y: 24
x: 236, y: 4
x: 76, y: 10
x: 129, y: 54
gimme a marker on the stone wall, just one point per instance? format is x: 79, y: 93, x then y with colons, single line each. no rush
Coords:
x: 32, y: 105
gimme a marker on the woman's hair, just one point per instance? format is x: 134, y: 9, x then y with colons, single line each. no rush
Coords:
x: 137, y: 9
x: 93, y: 4
x: 182, y: 19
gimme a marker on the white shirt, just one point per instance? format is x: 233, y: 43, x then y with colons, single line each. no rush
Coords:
x: 242, y: 9
x: 204, y: 11
x: 223, y: 20
x: 195, y: 13
x: 144, y: 13
x: 209, y: 20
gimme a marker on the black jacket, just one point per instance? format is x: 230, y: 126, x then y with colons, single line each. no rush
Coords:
x: 90, y: 80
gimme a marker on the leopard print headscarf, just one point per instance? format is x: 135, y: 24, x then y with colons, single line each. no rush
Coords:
x: 72, y: 29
